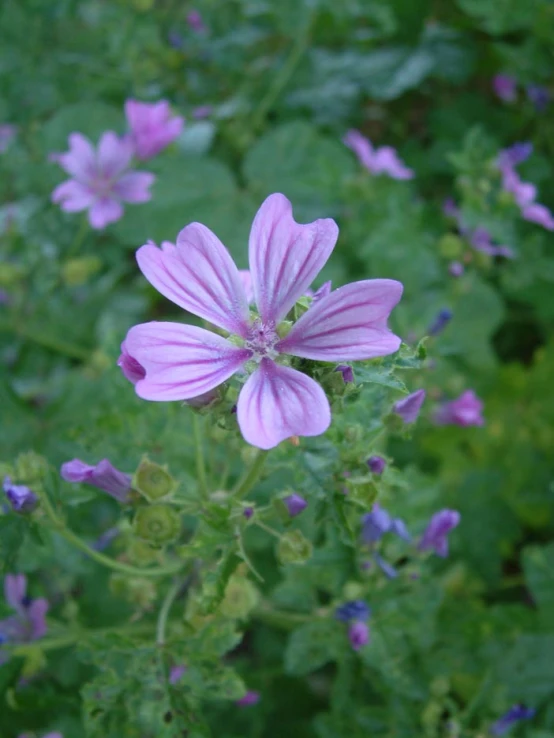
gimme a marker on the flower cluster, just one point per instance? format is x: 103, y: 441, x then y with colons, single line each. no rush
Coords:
x: 479, y: 238
x: 505, y: 87
x: 524, y: 193
x: 173, y: 361
x: 383, y: 160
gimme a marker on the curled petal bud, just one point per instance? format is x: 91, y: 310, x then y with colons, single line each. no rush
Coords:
x: 376, y: 464
x: 514, y: 715
x: 346, y: 371
x: 176, y: 673
x: 464, y: 411
x: 20, y: 497
x: 103, y: 476
x: 408, y: 408
x: 435, y: 535
x: 358, y: 634
x: 441, y: 321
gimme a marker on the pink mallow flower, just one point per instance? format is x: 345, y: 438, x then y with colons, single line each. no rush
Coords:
x: 384, y: 160
x: 152, y: 127
x: 100, y: 179
x: 198, y: 274
x: 465, y: 410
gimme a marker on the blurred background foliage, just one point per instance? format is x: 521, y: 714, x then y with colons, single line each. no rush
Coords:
x: 284, y: 81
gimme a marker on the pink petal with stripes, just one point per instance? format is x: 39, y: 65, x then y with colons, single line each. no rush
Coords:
x: 350, y: 324
x: 200, y: 276
x: 181, y: 361
x: 285, y: 257
x: 278, y: 402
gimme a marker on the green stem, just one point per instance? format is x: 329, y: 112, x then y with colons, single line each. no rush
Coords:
x: 49, y: 342
x: 251, y: 476
x: 282, y: 78
x: 281, y: 618
x: 267, y: 529
x: 170, y: 597
x: 78, y: 242
x: 200, y: 465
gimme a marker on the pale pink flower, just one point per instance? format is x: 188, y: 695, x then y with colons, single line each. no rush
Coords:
x: 198, y: 274
x: 100, y: 179
x: 152, y: 127
x: 465, y: 410
x: 383, y: 160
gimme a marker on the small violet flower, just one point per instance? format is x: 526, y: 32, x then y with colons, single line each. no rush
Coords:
x: 408, y: 408
x: 441, y: 321
x: 435, y: 535
x: 29, y: 622
x: 376, y: 464
x: 103, y: 476
x: 346, y: 371
x: 353, y: 610
x: 7, y: 134
x: 100, y: 180
x: 248, y: 512
x: 20, y: 497
x: 295, y: 504
x: 378, y: 522
x: 524, y: 193
x: 456, y: 269
x: 465, y: 410
x: 176, y: 673
x: 250, y: 698
x: 276, y: 402
x: 195, y: 22
x: 152, y: 127
x: 539, y: 96
x: 505, y: 87
x: 358, y: 634
x: 514, y: 715
x: 383, y: 160
x: 481, y: 240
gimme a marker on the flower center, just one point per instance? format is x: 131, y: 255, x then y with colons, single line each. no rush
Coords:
x: 261, y: 340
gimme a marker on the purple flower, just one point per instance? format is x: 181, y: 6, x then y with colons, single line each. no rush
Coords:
x: 249, y: 699
x: 516, y: 154
x: 195, y: 22
x: 388, y: 569
x: 540, y: 214
x: 456, y: 269
x: 248, y: 512
x: 450, y: 209
x: 539, y: 96
x: 346, y: 371
x: 7, y: 134
x: 480, y: 239
x: 514, y: 715
x: 465, y: 410
x: 202, y: 111
x: 398, y: 526
x: 198, y: 274
x: 295, y: 504
x: 28, y: 623
x: 152, y: 127
x: 21, y: 498
x: 375, y: 524
x: 435, y: 535
x: 103, y: 476
x: 176, y: 673
x: 376, y: 464
x: 378, y: 161
x: 100, y: 180
x: 524, y: 193
x: 408, y: 408
x: 358, y: 634
x: 505, y: 87
x: 441, y: 321
x: 354, y: 610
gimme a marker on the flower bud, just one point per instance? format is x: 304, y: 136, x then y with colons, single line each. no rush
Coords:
x: 376, y: 464
x: 295, y: 504
x: 141, y: 554
x: 153, y: 481
x: 20, y: 497
x: 157, y: 524
x: 408, y: 408
x: 358, y: 634
x: 140, y: 592
x: 456, y: 268
x: 346, y: 372
x: 249, y: 699
x: 241, y: 597
x: 294, y: 548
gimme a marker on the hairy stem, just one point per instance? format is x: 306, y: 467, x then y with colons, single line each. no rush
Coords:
x: 251, y: 476
x: 200, y: 464
x: 170, y: 597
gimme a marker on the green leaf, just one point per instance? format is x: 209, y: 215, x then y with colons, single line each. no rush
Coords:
x: 13, y: 533
x: 312, y: 646
x: 528, y: 669
x: 538, y: 565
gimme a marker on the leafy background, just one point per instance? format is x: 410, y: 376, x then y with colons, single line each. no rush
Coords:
x: 451, y: 649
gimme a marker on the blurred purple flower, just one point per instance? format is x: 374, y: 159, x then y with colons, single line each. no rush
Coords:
x: 516, y: 154
x: 7, y: 134
x: 295, y: 504
x: 29, y: 621
x: 524, y: 193
x: 456, y: 269
x: 376, y: 464
x: 176, y: 673
x: 358, y: 634
x: 103, y: 476
x: 100, y: 179
x: 152, y: 127
x: 465, y: 410
x: 378, y: 522
x: 20, y: 497
x: 388, y: 569
x: 249, y: 699
x: 443, y: 318
x: 276, y: 402
x: 383, y: 160
x: 450, y: 209
x: 202, y: 111
x: 408, y: 408
x: 480, y: 239
x: 514, y: 715
x: 248, y: 512
x: 195, y: 22
x: 540, y: 214
x: 435, y: 535
x: 505, y: 87
x: 353, y: 610
x: 346, y: 371
x: 539, y: 96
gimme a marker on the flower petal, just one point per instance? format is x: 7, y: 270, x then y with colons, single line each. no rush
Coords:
x: 114, y: 154
x: 285, y: 256
x: 73, y: 196
x: 103, y: 212
x: 181, y: 361
x: 133, y: 186
x: 15, y: 589
x: 200, y: 276
x: 349, y: 324
x: 278, y: 402
x: 80, y: 160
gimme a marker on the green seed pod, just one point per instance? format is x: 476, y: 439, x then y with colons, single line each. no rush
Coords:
x: 294, y: 548
x: 451, y: 246
x: 241, y: 597
x: 153, y: 481
x: 157, y: 524
x: 141, y: 554
x: 362, y: 490
x: 140, y: 592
